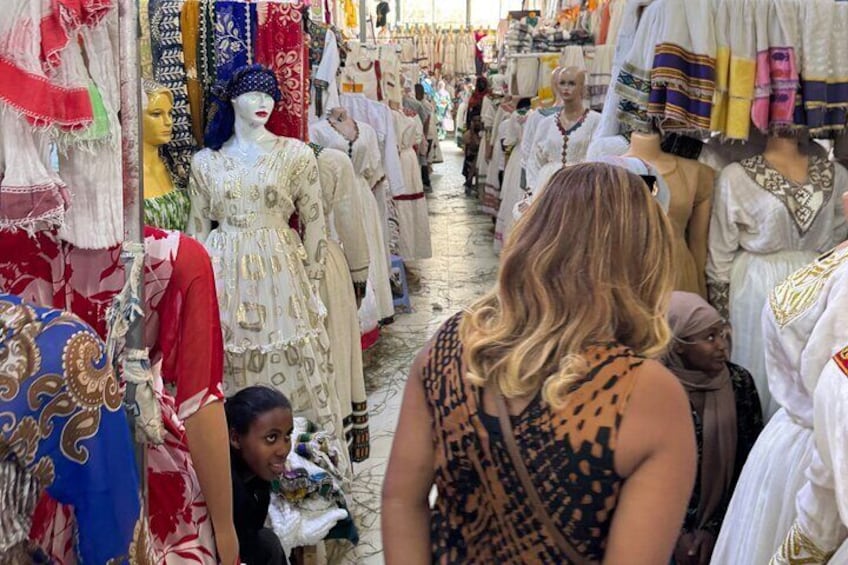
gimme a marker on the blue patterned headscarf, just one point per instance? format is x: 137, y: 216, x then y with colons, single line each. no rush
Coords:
x: 249, y: 78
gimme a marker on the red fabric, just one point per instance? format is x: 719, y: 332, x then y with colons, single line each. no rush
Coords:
x: 368, y: 340
x: 41, y: 102
x: 281, y: 45
x: 189, y: 340
x: 417, y: 196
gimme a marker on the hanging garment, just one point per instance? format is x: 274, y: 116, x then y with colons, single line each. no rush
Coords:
x: 365, y: 155
x: 763, y: 227
x: 281, y: 46
x: 413, y: 219
x: 232, y: 36
x: 190, y: 24
x: 83, y: 454
x: 511, y: 192
x: 91, y: 166
x: 324, y: 73
x: 548, y: 143
x: 273, y: 322
x: 347, y: 262
x: 802, y: 329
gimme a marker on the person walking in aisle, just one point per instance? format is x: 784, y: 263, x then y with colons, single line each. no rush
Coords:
x: 555, y: 437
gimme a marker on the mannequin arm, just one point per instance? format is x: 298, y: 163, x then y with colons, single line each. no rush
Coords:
x: 697, y: 235
x: 208, y: 443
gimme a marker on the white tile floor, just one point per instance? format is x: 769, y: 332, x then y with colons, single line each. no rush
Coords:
x: 463, y: 267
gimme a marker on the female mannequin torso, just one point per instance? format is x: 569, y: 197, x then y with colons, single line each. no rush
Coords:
x: 165, y: 206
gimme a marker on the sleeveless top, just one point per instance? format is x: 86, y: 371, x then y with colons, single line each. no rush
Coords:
x: 482, y: 514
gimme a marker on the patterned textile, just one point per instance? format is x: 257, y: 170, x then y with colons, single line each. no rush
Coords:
x: 799, y: 549
x: 797, y: 293
x: 169, y: 70
x: 190, y: 23
x: 63, y: 421
x: 233, y: 37
x: 169, y: 211
x: 281, y: 45
x: 569, y: 454
x: 777, y: 84
x: 803, y: 202
x: 183, y: 331
x: 749, y: 423
x: 841, y: 360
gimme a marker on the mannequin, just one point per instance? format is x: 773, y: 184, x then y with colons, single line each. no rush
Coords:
x: 803, y: 326
x: 342, y: 289
x: 773, y: 213
x: 359, y: 141
x: 164, y: 205
x: 691, y: 187
x: 563, y: 138
x: 251, y: 181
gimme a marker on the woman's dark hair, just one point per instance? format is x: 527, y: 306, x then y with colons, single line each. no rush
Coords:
x: 482, y: 84
x: 243, y: 407
x: 523, y: 103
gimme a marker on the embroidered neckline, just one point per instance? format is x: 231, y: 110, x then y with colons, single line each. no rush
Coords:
x: 804, y: 202
x: 567, y: 132
x: 350, y: 142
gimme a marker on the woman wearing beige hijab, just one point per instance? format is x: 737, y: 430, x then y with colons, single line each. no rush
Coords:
x: 726, y: 413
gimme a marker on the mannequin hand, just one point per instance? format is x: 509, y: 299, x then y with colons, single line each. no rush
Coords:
x: 226, y: 541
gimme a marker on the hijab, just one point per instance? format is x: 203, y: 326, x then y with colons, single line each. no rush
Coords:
x: 688, y: 315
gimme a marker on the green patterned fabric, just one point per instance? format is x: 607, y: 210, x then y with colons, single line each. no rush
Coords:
x: 168, y: 212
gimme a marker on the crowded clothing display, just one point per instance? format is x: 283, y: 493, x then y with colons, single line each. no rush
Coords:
x: 203, y: 253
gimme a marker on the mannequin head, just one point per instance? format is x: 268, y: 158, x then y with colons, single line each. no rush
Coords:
x: 157, y: 121
x: 247, y: 98
x: 338, y: 115
x: 570, y: 85
x: 253, y: 108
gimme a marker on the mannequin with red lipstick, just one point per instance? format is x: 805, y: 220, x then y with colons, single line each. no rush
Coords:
x: 260, y: 423
x: 726, y: 412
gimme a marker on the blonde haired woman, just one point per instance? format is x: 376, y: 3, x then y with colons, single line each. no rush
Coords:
x: 554, y: 437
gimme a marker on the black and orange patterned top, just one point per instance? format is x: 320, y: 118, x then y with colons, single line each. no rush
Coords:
x: 482, y: 514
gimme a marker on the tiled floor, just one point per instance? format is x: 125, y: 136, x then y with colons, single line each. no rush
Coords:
x: 463, y: 267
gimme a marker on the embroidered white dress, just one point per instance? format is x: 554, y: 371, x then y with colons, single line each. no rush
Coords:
x: 511, y: 191
x: 266, y: 278
x: 370, y: 178
x: 548, y: 143
x: 347, y: 261
x: 763, y: 227
x: 413, y: 220
x: 803, y: 326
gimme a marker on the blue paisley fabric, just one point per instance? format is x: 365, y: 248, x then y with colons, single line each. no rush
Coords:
x: 62, y: 420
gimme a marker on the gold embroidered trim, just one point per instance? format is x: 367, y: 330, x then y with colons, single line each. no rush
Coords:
x: 798, y: 549
x: 795, y: 295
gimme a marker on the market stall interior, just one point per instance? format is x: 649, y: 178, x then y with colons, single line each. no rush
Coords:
x: 280, y: 201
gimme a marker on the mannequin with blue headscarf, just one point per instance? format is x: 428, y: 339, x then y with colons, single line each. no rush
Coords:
x: 251, y: 182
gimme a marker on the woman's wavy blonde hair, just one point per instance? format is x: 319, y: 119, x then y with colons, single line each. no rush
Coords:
x: 590, y: 262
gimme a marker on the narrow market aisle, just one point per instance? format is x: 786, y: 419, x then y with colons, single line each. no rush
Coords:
x: 462, y: 268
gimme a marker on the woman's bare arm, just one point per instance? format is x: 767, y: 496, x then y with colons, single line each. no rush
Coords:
x: 409, y: 477
x: 656, y: 452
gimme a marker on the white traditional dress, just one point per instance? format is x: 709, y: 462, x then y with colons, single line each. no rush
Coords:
x: 548, y: 143
x: 413, y: 220
x: 763, y: 227
x: 511, y: 191
x: 364, y: 152
x: 266, y: 278
x: 803, y: 326
x: 347, y: 262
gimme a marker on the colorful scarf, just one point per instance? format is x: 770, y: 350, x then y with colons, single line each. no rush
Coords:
x: 233, y: 36
x: 65, y: 424
x: 281, y: 45
x: 683, y: 73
